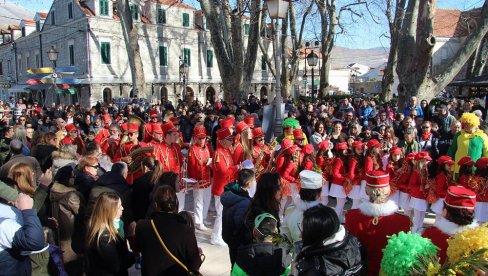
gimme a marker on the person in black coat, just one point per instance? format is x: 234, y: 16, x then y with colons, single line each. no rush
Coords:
x: 143, y: 186
x: 236, y: 201
x: 328, y: 249
x: 174, y: 231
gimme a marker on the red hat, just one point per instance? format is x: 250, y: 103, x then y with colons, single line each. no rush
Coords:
x: 341, y: 146
x: 249, y: 120
x: 307, y: 149
x: 174, y: 120
x: 168, y: 127
x: 298, y: 134
x: 286, y: 143
x: 132, y: 128
x: 106, y: 118
x: 396, y: 151
x: 257, y: 132
x: 124, y: 127
x: 466, y: 160
x: 357, y: 144
x: 445, y: 160
x: 200, y: 131
x: 292, y: 149
x: 227, y: 122
x: 156, y: 128
x: 410, y: 156
x: 460, y: 197
x: 424, y: 155
x: 324, y: 145
x: 241, y: 126
x: 377, y: 179
x: 70, y: 127
x: 373, y: 143
x: 482, y: 163
x: 153, y: 114
x: 224, y: 133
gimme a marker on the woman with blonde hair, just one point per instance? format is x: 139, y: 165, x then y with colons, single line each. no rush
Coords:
x: 107, y: 252
x: 244, y: 144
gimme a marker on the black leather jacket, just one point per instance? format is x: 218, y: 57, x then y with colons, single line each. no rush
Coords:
x: 346, y: 257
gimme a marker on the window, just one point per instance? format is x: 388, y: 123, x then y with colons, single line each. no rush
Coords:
x: 186, y: 19
x: 19, y: 64
x: 103, y: 7
x: 133, y: 11
x: 1, y: 68
x: 23, y: 31
x: 38, y: 64
x: 27, y: 62
x: 186, y: 56
x: 38, y: 26
x: 246, y: 29
x: 9, y: 67
x: 70, y: 10
x: 105, y: 52
x: 163, y: 56
x: 263, y: 63
x: 161, y: 16
x: 53, y: 18
x: 209, y: 58
x: 71, y: 50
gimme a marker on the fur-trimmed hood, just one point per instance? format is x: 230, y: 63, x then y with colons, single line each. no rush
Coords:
x: 450, y: 228
x: 378, y: 210
x: 64, y: 155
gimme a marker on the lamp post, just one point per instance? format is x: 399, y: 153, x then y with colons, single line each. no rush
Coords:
x: 52, y: 54
x: 183, y: 69
x: 277, y: 9
x: 312, y: 60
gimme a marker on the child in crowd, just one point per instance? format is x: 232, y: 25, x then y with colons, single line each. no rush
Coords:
x: 418, y: 187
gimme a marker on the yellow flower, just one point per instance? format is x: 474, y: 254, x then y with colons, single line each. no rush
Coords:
x: 467, y: 242
x: 433, y: 269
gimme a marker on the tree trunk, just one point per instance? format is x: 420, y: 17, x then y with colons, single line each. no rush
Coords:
x: 478, y: 59
x: 131, y: 39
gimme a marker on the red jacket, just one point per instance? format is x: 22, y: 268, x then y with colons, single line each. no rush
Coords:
x: 170, y: 157
x: 340, y: 173
x: 374, y: 236
x: 417, y: 186
x: 224, y: 170
x: 197, y: 164
x: 441, y: 184
x: 439, y: 239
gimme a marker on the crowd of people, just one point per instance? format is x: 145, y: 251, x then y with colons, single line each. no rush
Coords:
x: 97, y: 190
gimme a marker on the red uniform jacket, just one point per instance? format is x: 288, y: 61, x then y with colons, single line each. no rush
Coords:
x: 326, y: 165
x: 480, y: 187
x: 340, y: 173
x: 369, y: 164
x: 170, y: 157
x: 360, y: 223
x: 224, y: 170
x: 125, y: 150
x: 441, y: 184
x: 197, y: 164
x: 439, y: 239
x: 418, y: 186
x: 257, y: 150
x: 102, y: 138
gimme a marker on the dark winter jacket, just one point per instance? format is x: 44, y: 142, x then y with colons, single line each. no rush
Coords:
x: 43, y: 155
x: 84, y: 183
x: 344, y: 257
x: 141, y: 192
x: 261, y: 259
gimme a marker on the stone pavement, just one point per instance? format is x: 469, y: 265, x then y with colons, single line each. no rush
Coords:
x: 217, y: 260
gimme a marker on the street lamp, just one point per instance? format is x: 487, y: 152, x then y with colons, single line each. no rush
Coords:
x: 52, y: 54
x: 277, y: 9
x: 183, y: 69
x: 312, y: 60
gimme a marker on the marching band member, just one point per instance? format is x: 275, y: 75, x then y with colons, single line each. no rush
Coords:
x: 394, y: 168
x: 123, y: 154
x: 153, y: 115
x: 373, y: 161
x: 465, y: 166
x: 224, y: 171
x: 457, y: 215
x: 289, y: 171
x: 480, y: 186
x: 442, y: 182
x: 359, y: 174
x: 261, y: 151
x: 104, y: 133
x: 342, y: 174
x: 307, y: 158
x: 418, y: 187
x: 325, y: 160
x: 110, y: 145
x: 299, y: 137
x: 243, y: 148
x: 72, y: 138
x: 198, y: 168
x: 249, y: 120
x: 376, y: 219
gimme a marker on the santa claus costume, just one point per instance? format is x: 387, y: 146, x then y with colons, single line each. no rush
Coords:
x: 480, y: 182
x: 459, y: 207
x: 442, y: 182
x: 342, y: 176
x: 418, y: 186
x: 377, y: 219
x: 325, y: 160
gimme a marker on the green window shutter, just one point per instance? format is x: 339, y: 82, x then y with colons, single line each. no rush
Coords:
x: 187, y: 56
x: 103, y: 7
x: 186, y: 20
x: 263, y: 63
x: 161, y: 16
x: 209, y: 58
x: 246, y: 29
x: 163, y: 56
x: 105, y: 52
x: 133, y: 11
x: 70, y: 10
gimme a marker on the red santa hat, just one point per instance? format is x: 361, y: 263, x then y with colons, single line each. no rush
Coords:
x: 257, y: 132
x: 373, y: 143
x: 341, y: 146
x: 307, y: 149
x: 298, y: 134
x: 241, y: 126
x: 168, y: 128
x: 224, y: 133
x: 445, y: 160
x: 156, y: 128
x: 106, y: 118
x: 200, y: 131
x: 70, y: 127
x: 132, y: 128
x: 395, y: 151
x: 460, y: 197
x: 482, y: 163
x: 357, y: 144
x: 423, y: 155
x: 466, y: 160
x: 377, y: 179
x: 249, y: 120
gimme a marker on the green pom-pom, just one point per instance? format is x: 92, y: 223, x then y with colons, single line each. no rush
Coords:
x: 290, y: 122
x: 405, y: 252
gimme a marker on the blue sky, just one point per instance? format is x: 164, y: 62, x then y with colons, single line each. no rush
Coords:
x: 365, y: 34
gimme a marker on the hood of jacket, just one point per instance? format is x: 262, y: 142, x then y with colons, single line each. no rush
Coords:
x: 58, y: 190
x: 233, y: 195
x: 114, y: 181
x: 263, y: 259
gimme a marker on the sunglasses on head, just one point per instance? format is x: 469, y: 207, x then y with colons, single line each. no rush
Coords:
x: 94, y: 166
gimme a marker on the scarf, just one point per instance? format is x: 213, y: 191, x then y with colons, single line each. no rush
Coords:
x: 426, y: 136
